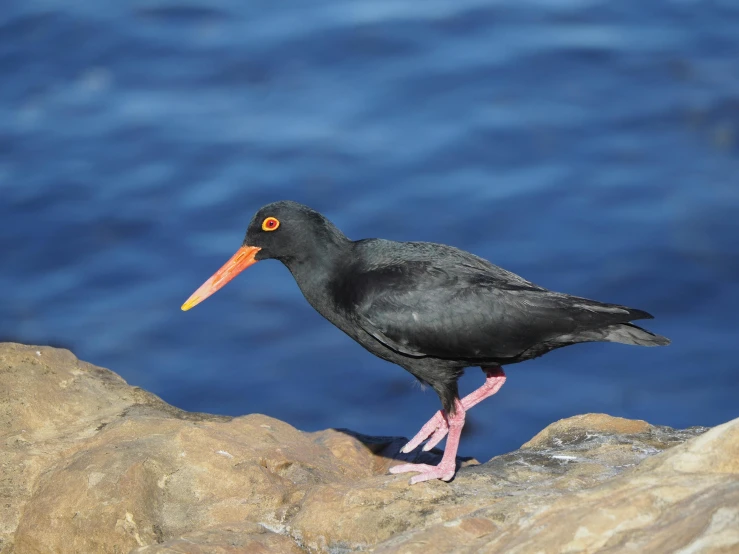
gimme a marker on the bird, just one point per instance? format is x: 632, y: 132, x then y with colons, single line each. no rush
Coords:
x: 432, y: 309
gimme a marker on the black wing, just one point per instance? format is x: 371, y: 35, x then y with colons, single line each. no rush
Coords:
x: 469, y: 310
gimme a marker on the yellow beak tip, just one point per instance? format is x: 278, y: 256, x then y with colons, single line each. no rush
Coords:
x: 190, y: 303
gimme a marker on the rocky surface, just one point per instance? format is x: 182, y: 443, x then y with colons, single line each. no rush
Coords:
x: 90, y: 464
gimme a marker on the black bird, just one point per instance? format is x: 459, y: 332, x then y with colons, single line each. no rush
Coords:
x: 430, y: 308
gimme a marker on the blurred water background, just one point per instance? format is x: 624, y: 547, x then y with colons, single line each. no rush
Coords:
x: 589, y: 145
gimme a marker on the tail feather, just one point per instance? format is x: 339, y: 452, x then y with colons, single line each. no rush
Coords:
x: 628, y: 333
x: 639, y: 314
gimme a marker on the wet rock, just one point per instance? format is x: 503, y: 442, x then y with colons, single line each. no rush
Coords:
x: 90, y: 464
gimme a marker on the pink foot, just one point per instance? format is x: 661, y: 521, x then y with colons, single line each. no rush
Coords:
x: 437, y: 427
x: 426, y: 472
x: 448, y: 465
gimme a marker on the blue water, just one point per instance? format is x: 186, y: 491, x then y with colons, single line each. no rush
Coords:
x: 590, y: 146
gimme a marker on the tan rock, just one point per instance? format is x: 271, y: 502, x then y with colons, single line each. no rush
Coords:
x: 90, y: 464
x: 684, y: 500
x: 580, y: 425
x: 237, y: 538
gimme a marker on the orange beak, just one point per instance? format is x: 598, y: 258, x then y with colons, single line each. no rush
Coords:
x: 243, y: 258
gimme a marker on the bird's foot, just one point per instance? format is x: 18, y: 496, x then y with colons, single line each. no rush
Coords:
x: 444, y: 471
x: 436, y: 428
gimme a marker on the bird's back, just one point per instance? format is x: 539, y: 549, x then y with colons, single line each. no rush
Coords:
x: 432, y: 300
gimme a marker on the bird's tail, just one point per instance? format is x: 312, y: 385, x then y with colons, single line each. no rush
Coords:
x: 628, y: 333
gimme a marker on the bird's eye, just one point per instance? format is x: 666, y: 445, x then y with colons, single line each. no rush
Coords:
x: 270, y: 224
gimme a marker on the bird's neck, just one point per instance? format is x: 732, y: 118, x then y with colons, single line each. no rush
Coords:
x: 318, y: 261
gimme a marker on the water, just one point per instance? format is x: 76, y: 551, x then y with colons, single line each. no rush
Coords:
x: 590, y: 146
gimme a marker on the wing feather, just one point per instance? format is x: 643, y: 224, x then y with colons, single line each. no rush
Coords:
x: 469, y: 310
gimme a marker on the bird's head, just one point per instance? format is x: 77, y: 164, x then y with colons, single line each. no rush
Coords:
x: 286, y: 231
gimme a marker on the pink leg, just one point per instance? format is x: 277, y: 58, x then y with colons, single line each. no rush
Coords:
x: 436, y: 428
x: 448, y: 465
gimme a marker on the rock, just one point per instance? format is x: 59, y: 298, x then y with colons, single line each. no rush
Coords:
x: 589, y: 450
x: 581, y: 425
x: 683, y: 500
x: 90, y: 464
x: 233, y: 538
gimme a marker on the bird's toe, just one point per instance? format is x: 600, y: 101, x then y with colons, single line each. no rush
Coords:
x: 437, y: 437
x: 445, y: 472
x: 437, y: 424
x: 405, y: 468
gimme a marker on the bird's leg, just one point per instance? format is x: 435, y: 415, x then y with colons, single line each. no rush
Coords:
x: 436, y: 428
x: 448, y: 465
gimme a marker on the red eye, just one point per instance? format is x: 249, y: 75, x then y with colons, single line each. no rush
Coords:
x: 270, y: 224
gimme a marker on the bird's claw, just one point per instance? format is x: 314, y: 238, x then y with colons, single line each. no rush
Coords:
x: 436, y: 428
x: 443, y: 471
